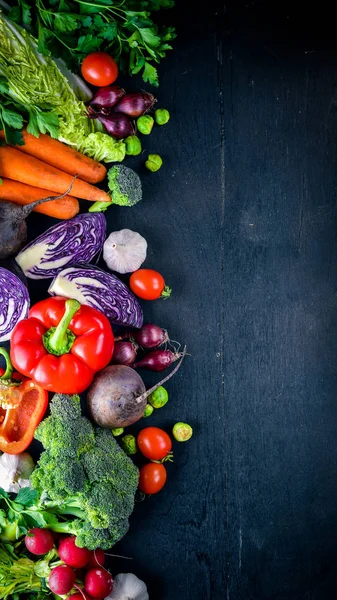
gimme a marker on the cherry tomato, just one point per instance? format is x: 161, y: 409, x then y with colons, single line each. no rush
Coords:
x: 152, y: 478
x: 100, y: 69
x: 147, y: 284
x: 154, y: 443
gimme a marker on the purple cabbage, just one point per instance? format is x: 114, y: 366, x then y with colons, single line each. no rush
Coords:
x: 14, y: 302
x: 66, y: 244
x: 104, y: 291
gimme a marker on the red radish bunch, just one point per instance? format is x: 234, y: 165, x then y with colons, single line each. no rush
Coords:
x: 72, y: 555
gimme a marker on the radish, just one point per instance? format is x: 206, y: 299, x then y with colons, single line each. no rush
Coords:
x: 39, y: 541
x: 98, y: 583
x: 79, y: 596
x: 61, y: 580
x: 97, y: 558
x: 72, y: 555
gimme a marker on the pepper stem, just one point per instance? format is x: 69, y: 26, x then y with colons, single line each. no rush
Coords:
x: 58, y: 340
x: 9, y: 367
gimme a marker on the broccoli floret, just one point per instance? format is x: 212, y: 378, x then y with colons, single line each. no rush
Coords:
x: 84, y: 473
x: 124, y: 185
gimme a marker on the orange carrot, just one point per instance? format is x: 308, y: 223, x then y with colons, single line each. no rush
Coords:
x: 20, y: 193
x: 16, y: 165
x: 62, y: 157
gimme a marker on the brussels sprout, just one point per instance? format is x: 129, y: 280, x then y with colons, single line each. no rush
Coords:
x: 182, y: 432
x: 158, y: 398
x: 145, y: 124
x: 129, y: 444
x: 148, y: 410
x: 133, y: 146
x: 117, y: 431
x: 161, y: 116
x: 154, y: 162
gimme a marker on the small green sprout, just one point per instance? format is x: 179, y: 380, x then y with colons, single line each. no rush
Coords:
x: 117, y: 431
x: 161, y: 116
x: 129, y: 444
x: 182, y: 432
x: 154, y: 162
x: 158, y: 398
x: 133, y: 145
x: 145, y: 124
x: 148, y: 410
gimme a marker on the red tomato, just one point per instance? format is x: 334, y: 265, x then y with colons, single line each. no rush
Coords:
x: 152, y: 478
x: 147, y: 284
x: 154, y: 443
x: 100, y: 69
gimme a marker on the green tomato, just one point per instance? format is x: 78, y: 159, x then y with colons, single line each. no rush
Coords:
x: 161, y: 116
x: 129, y: 444
x: 145, y: 124
x: 154, y: 162
x: 117, y: 431
x: 158, y: 398
x: 148, y: 410
x: 182, y: 432
x: 133, y: 146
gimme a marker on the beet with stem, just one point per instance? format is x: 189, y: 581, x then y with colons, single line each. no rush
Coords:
x: 13, y: 226
x: 117, y: 396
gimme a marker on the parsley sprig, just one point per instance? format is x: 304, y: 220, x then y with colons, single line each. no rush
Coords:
x: 71, y: 29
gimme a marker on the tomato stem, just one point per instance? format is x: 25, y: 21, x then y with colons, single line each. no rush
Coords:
x: 166, y: 293
x: 58, y: 340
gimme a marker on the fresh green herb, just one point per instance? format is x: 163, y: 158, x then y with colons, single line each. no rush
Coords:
x: 72, y: 29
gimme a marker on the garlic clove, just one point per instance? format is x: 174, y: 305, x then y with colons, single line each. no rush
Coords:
x: 124, y: 251
x: 128, y: 586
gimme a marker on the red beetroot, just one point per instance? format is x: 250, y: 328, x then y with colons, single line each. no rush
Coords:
x: 98, y: 583
x: 61, y: 580
x: 39, y: 541
x: 72, y: 555
x: 97, y: 558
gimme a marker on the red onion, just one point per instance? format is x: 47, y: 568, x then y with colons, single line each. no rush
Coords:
x: 124, y: 353
x: 150, y: 336
x: 136, y: 104
x: 119, y: 126
x: 107, y: 97
x: 158, y: 360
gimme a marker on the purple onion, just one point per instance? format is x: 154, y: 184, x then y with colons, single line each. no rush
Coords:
x: 158, y: 360
x: 107, y: 97
x: 124, y: 353
x: 118, y: 126
x: 151, y: 336
x: 135, y: 104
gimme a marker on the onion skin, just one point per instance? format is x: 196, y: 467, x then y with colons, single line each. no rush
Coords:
x: 124, y: 353
x: 157, y: 360
x: 106, y: 97
x: 151, y: 336
x: 135, y: 104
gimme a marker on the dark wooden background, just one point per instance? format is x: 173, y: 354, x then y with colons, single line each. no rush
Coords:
x: 242, y: 221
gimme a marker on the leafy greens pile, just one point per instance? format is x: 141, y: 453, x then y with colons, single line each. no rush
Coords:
x: 71, y: 29
x: 33, y: 89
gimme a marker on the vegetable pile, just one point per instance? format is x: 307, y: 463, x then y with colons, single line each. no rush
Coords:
x: 87, y: 334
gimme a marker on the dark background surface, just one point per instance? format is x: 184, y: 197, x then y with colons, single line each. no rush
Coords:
x: 241, y: 220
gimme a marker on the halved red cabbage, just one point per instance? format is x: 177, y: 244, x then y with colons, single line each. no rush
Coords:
x: 68, y: 243
x: 14, y: 302
x: 104, y: 291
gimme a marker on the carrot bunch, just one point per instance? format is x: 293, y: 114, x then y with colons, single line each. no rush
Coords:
x: 43, y: 167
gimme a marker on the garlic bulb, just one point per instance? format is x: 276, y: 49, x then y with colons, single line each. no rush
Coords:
x: 128, y: 587
x: 15, y: 470
x: 124, y: 251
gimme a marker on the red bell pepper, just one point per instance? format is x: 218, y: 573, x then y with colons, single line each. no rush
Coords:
x: 62, y: 344
x: 22, y: 406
